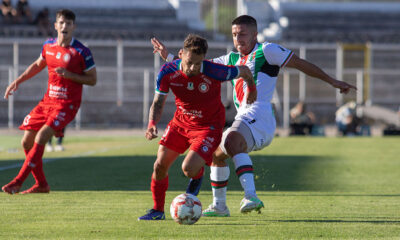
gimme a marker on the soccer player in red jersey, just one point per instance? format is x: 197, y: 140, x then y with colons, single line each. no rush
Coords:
x: 70, y: 65
x: 199, y: 117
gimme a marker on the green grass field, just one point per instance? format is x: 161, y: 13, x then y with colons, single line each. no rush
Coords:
x: 313, y: 188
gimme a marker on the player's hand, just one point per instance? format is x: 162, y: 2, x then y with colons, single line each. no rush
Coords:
x: 251, y: 96
x: 158, y: 47
x: 62, y: 72
x: 151, y: 133
x: 343, y: 86
x: 11, y: 89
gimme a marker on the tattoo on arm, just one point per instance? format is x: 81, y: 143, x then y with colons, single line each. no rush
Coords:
x: 157, y: 107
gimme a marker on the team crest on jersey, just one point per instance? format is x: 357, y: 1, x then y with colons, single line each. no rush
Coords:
x: 204, y: 149
x: 58, y: 56
x: 203, y: 87
x: 66, y: 57
x: 190, y: 86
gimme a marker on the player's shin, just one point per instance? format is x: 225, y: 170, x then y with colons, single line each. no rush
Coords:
x: 219, y: 181
x: 195, y: 183
x: 34, y: 155
x: 244, y: 170
x: 158, y: 189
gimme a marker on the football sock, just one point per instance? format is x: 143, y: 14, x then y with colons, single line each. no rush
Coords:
x: 219, y: 182
x: 37, y: 171
x: 33, y: 156
x: 244, y: 170
x: 158, y: 189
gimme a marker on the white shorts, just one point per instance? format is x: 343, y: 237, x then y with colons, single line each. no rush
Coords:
x: 257, y: 126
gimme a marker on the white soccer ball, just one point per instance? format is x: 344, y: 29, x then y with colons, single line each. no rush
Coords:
x: 186, y: 209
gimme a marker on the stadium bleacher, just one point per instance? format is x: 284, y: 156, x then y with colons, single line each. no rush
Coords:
x: 345, y: 22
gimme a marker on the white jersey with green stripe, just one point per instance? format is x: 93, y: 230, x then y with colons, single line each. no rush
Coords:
x: 264, y: 61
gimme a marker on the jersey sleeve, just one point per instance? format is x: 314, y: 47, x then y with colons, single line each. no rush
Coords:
x: 221, y: 60
x: 162, y: 83
x: 276, y: 54
x: 220, y: 72
x: 88, y: 60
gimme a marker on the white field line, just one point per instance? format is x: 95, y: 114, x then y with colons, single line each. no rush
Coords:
x: 89, y: 153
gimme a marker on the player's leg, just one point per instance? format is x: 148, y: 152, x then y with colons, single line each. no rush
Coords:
x: 219, y: 175
x: 237, y: 145
x: 159, y: 182
x: 172, y: 144
x: 27, y: 143
x: 35, y: 158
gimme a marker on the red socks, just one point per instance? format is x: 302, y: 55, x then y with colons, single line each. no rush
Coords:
x: 159, y: 188
x: 33, y: 162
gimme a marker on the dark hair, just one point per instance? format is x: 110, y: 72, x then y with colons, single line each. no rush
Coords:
x: 66, y: 13
x: 246, y: 20
x: 195, y: 44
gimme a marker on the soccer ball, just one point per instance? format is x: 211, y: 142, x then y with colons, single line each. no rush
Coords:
x: 186, y: 209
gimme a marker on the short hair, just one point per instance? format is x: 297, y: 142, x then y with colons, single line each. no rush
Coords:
x: 66, y: 13
x: 195, y: 44
x: 245, y: 20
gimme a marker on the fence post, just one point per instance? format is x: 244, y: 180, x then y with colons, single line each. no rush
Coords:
x: 360, y: 86
x: 120, y: 72
x: 146, y: 96
x: 10, y: 101
x: 302, y: 76
x: 339, y: 72
x: 286, y: 99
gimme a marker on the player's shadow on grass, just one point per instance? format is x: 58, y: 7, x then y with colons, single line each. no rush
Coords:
x: 272, y: 173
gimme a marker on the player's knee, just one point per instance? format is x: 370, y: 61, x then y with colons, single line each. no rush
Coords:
x: 159, y: 169
x: 189, y: 171
x: 234, y: 144
x: 26, y: 144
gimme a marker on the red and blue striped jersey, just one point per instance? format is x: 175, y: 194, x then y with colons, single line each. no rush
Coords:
x: 197, y: 98
x: 75, y: 58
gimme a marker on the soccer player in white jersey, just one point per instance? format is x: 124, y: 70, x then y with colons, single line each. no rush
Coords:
x: 254, y: 126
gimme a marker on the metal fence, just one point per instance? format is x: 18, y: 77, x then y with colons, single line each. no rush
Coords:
x: 126, y: 73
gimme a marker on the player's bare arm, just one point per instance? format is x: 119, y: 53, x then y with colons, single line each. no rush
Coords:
x: 159, y: 47
x: 247, y: 76
x: 31, y: 71
x: 87, y: 78
x: 156, y: 110
x: 314, y: 71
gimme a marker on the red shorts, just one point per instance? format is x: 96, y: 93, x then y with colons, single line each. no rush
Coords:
x: 55, y: 115
x: 203, y: 142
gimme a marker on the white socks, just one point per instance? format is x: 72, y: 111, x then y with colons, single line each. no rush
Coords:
x: 244, y: 170
x: 219, y: 180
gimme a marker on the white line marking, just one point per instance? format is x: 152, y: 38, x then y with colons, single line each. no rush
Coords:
x: 16, y: 165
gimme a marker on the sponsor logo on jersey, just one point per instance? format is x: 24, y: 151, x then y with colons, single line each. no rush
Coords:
x: 193, y: 113
x: 49, y: 53
x: 190, y: 86
x: 67, y: 57
x: 177, y: 84
x: 205, y: 79
x: 58, y: 92
x: 203, y: 87
x: 58, y: 56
